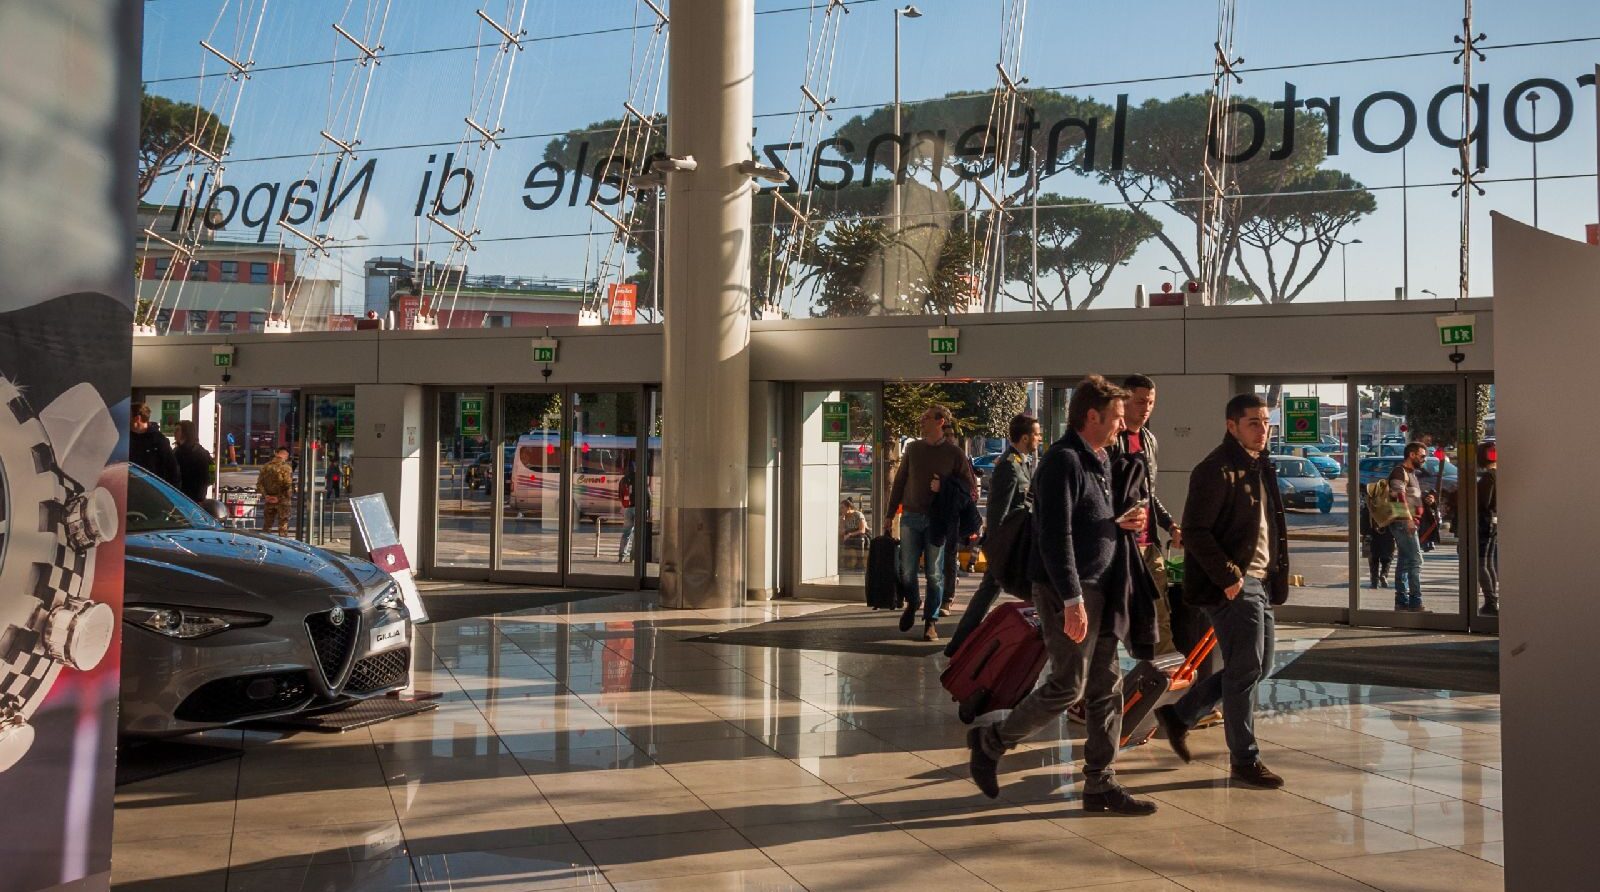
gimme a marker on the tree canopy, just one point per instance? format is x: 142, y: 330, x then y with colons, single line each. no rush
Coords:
x: 168, y: 131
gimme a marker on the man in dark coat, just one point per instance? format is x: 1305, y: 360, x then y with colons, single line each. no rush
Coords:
x: 1080, y: 616
x: 148, y: 446
x: 1008, y: 494
x: 194, y: 462
x: 1236, y: 566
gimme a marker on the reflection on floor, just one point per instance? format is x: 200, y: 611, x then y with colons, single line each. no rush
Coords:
x: 592, y: 745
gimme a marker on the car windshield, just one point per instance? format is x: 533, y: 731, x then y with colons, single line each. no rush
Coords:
x: 1295, y: 467
x: 154, y: 505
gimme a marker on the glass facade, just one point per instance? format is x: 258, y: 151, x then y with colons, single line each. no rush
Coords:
x: 1324, y: 173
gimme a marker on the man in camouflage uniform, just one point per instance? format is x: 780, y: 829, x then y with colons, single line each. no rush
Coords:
x: 276, y: 485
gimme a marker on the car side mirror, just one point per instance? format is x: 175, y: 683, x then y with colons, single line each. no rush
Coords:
x: 214, y: 508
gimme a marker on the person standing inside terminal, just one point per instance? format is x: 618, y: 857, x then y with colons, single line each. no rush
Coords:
x: 148, y: 446
x: 1075, y: 540
x: 1236, y: 566
x: 1488, y: 530
x: 1008, y: 493
x: 276, y: 485
x: 1405, y: 487
x: 194, y: 462
x: 927, y: 461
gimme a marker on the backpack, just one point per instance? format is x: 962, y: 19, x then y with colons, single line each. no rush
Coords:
x: 1380, y: 507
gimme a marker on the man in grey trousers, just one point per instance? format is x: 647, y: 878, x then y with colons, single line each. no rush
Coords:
x: 1075, y: 540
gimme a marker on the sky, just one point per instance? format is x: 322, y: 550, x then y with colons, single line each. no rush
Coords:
x: 582, y: 60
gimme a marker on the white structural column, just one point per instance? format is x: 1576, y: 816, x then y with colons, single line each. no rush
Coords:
x: 706, y: 374
x: 1547, y: 314
x: 388, y: 457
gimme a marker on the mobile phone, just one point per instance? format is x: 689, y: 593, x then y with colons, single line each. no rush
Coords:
x: 1128, y: 514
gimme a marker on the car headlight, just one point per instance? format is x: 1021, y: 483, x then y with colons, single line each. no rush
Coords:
x: 390, y: 599
x: 188, y: 622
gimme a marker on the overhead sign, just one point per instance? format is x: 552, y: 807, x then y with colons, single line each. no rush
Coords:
x: 171, y: 412
x: 470, y: 417
x: 835, y: 422
x: 222, y: 358
x: 943, y: 341
x: 544, y: 350
x: 624, y: 300
x: 1302, y: 418
x: 1456, y: 330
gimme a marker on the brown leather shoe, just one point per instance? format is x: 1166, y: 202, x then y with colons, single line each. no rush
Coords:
x: 1257, y: 775
x: 1117, y: 801
x: 930, y: 632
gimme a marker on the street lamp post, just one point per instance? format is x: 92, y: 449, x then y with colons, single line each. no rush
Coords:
x: 910, y: 12
x: 1533, y: 104
x: 1344, y: 265
x: 1164, y: 268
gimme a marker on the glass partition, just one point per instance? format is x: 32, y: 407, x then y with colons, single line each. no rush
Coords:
x: 530, y: 469
x: 465, y: 480
x: 604, y: 462
x: 837, y: 502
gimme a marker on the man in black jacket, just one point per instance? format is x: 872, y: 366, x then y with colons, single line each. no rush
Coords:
x: 194, y: 462
x: 1139, y: 441
x: 1081, y: 618
x: 148, y: 446
x: 1008, y: 493
x: 1236, y: 566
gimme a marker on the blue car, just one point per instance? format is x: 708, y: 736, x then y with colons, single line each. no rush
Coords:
x: 1301, y: 485
x: 1377, y: 468
x: 1324, y: 463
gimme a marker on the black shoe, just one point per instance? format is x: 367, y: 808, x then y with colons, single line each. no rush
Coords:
x: 1383, y: 580
x: 1177, y: 733
x: 982, y: 766
x: 1489, y: 608
x: 908, y: 618
x: 1257, y: 775
x: 1117, y: 801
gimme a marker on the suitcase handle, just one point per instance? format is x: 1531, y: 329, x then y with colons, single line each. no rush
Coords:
x: 1191, y: 665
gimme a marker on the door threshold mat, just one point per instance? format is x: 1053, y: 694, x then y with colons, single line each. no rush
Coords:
x: 149, y: 759
x: 1430, y: 661
x: 854, y: 629
x: 357, y: 715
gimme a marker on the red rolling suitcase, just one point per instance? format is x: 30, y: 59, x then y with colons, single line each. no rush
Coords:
x: 998, y: 664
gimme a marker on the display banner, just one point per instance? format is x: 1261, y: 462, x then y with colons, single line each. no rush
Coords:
x: 70, y: 85
x: 624, y: 303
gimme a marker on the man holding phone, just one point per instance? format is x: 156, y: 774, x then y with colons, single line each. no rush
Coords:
x: 1075, y: 539
x: 1236, y: 560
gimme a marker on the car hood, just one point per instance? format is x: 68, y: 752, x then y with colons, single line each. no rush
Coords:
x: 1305, y: 482
x: 228, y: 568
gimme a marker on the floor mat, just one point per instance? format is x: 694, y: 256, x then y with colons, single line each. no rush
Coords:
x: 1402, y: 659
x: 445, y: 605
x: 154, y: 758
x: 857, y: 630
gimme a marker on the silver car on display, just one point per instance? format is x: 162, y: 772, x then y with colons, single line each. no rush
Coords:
x: 224, y: 626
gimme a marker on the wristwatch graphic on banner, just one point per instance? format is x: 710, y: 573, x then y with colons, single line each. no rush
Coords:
x: 52, y: 516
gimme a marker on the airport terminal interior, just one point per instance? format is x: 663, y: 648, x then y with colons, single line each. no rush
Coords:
x: 504, y: 445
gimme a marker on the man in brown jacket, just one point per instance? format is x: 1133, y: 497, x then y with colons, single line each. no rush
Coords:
x: 1236, y: 561
x: 926, y: 464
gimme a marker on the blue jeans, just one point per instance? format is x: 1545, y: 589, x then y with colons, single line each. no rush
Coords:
x: 1246, y: 635
x: 916, y: 543
x: 1408, y: 566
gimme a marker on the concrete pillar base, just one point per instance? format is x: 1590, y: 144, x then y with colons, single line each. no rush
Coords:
x: 705, y: 554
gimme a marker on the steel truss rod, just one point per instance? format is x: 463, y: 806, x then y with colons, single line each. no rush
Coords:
x: 185, y: 250
x: 202, y: 151
x: 784, y: 202
x: 1012, y: 85
x: 644, y: 119
x: 661, y: 17
x: 999, y: 205
x: 345, y: 148
x: 462, y: 238
x: 623, y: 233
x: 821, y: 107
x: 368, y: 54
x: 490, y: 137
x: 240, y: 69
x: 511, y: 40
x: 318, y: 246
x: 1226, y: 66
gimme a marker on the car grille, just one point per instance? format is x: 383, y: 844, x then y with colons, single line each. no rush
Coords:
x: 232, y: 699
x: 379, y: 671
x: 334, y: 644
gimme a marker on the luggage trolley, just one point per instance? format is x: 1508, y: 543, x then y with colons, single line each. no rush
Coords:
x: 241, y: 505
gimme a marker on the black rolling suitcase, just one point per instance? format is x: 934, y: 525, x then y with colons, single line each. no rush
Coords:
x: 883, y: 575
x: 1155, y: 683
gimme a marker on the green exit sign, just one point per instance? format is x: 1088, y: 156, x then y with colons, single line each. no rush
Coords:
x: 941, y: 346
x: 544, y: 350
x: 1455, y: 336
x: 1456, y: 330
x: 222, y: 360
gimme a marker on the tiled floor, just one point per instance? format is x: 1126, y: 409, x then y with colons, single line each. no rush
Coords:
x: 592, y: 745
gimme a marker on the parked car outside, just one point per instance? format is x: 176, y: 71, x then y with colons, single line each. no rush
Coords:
x: 1301, y: 485
x: 1379, y: 468
x: 1323, y: 463
x: 226, y: 626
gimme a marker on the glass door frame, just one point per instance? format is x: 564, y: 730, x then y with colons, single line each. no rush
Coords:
x: 635, y: 581
x: 303, y: 489
x: 1466, y: 618
x: 495, y: 571
x: 791, y: 539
